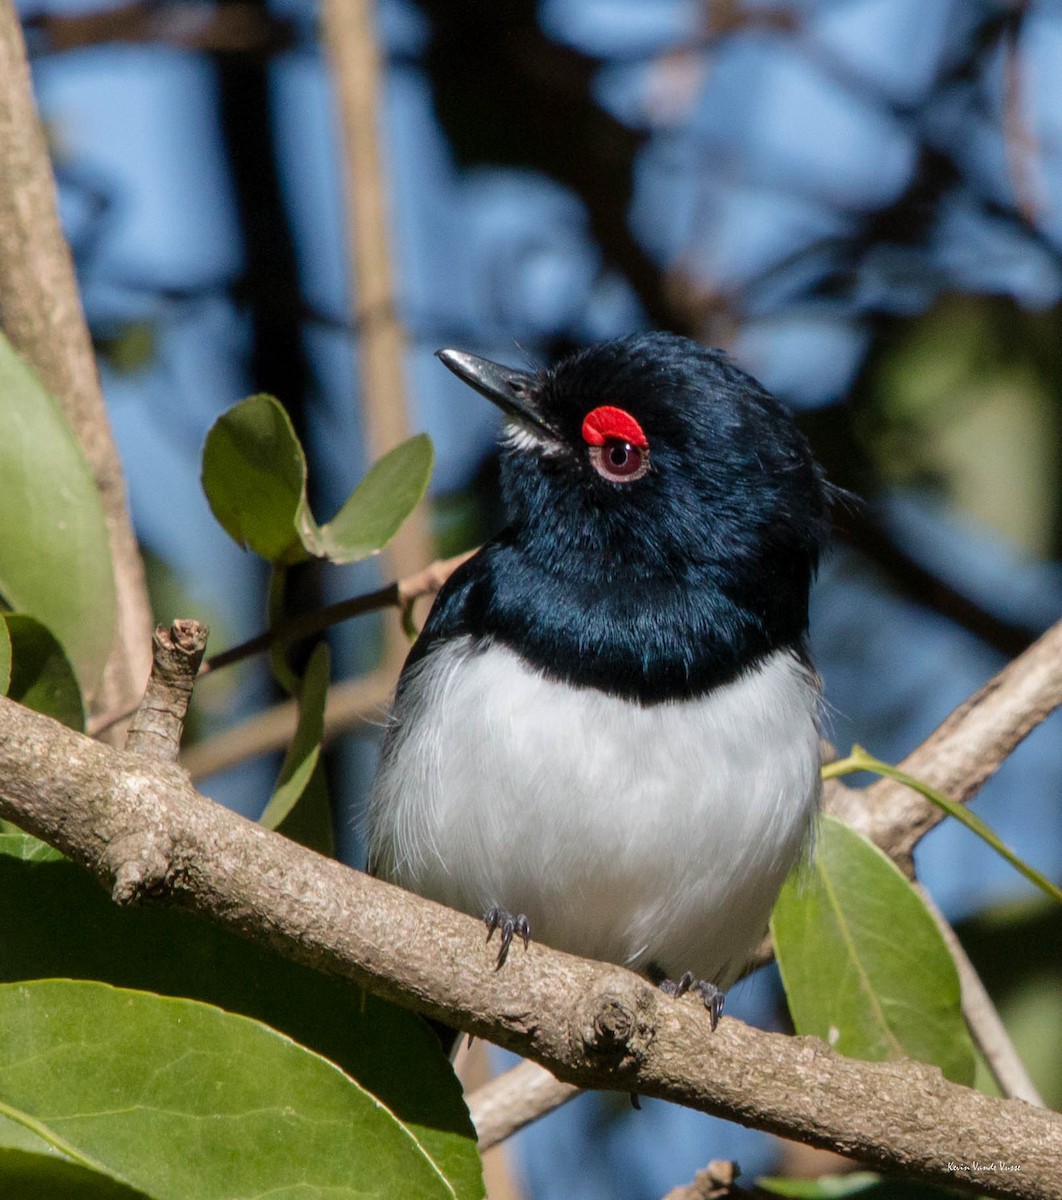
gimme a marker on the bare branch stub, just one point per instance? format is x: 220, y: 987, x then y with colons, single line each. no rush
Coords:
x: 158, y: 723
x: 718, y: 1181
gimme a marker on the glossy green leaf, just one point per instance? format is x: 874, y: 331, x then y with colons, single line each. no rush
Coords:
x: 40, y: 1176
x: 254, y: 476
x: 5, y: 657
x: 864, y: 966
x: 305, y: 749
x: 826, y: 1187
x: 180, y: 1099
x: 20, y: 845
x: 41, y: 675
x: 379, y: 504
x: 59, y: 922
x: 55, y: 558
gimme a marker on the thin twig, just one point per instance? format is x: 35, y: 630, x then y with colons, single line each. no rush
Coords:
x: 353, y: 53
x: 305, y: 625
x: 983, y: 1019
x: 401, y: 594
x: 270, y: 730
x: 514, y: 1099
x: 350, y: 704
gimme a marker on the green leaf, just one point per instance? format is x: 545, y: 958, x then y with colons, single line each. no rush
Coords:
x: 59, y: 921
x: 858, y: 1185
x: 14, y: 1136
x: 41, y: 675
x: 55, y: 557
x: 38, y: 1176
x: 254, y: 476
x: 826, y: 1187
x: 864, y: 966
x: 179, y: 1098
x: 305, y: 749
x: 5, y: 657
x: 379, y: 504
x: 860, y: 760
x: 29, y: 849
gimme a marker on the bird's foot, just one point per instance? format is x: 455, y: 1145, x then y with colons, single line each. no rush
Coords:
x: 498, y: 918
x: 713, y: 998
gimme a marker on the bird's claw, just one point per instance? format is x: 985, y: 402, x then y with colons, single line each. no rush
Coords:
x: 498, y: 918
x: 713, y: 998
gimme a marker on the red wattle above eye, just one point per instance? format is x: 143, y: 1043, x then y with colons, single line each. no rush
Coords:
x: 612, y: 424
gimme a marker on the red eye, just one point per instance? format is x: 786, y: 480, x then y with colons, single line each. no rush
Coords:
x: 619, y: 450
x: 619, y: 461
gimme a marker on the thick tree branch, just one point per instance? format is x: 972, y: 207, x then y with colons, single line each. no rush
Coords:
x: 592, y: 1024
x: 40, y: 311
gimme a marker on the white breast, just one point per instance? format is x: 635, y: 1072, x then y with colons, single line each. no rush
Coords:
x: 657, y: 834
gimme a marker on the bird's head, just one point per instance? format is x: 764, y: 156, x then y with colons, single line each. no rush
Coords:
x: 650, y: 471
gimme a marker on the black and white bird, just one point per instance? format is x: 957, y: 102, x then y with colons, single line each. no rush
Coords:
x: 606, y: 735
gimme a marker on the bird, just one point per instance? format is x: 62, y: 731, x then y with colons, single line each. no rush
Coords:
x: 607, y: 734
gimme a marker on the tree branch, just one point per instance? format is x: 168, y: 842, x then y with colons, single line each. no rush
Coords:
x: 716, y: 1182
x: 964, y: 751
x: 401, y: 594
x: 349, y: 704
x: 40, y: 309
x: 158, y: 723
x: 141, y: 823
x: 983, y: 1020
x: 352, y: 52
x: 514, y: 1099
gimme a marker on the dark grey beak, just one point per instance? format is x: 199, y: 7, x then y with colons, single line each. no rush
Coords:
x: 506, y: 387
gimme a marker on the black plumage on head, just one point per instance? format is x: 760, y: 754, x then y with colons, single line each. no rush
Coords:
x: 667, y: 584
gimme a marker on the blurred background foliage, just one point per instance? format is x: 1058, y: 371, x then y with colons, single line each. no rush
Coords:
x: 860, y: 199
